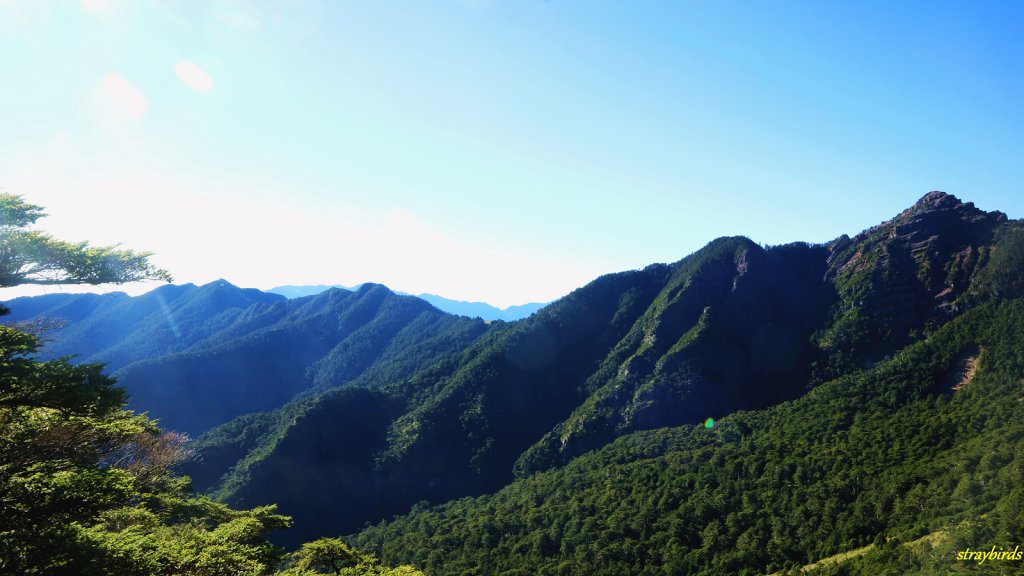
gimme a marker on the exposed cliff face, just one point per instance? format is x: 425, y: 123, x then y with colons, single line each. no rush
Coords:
x: 938, y: 229
x: 905, y: 275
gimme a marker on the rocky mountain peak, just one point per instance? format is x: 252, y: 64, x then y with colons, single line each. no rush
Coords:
x: 938, y: 206
x: 936, y: 219
x: 914, y: 268
x: 937, y: 199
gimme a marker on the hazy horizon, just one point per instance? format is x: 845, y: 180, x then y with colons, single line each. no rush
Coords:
x: 139, y: 288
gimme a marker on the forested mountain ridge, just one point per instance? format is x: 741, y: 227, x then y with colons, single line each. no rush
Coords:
x: 195, y: 357
x: 118, y: 329
x: 324, y: 341
x: 461, y: 424
x: 911, y: 429
x: 792, y: 316
x: 732, y: 326
x: 353, y: 406
x: 730, y: 329
x: 912, y: 447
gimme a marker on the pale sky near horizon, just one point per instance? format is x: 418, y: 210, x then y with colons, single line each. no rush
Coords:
x: 496, y: 150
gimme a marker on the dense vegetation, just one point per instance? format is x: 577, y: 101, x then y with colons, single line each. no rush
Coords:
x: 86, y: 488
x: 734, y: 326
x: 889, y: 453
x: 866, y: 393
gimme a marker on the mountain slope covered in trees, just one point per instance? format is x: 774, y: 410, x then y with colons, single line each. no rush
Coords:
x: 864, y: 391
x: 195, y: 357
x: 905, y: 449
x: 117, y: 329
x: 271, y: 354
x: 734, y: 326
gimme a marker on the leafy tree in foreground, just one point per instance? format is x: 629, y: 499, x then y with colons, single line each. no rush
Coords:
x: 85, y: 486
x: 32, y: 257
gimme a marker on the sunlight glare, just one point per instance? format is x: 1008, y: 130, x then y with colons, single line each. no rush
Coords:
x: 193, y: 76
x: 114, y: 93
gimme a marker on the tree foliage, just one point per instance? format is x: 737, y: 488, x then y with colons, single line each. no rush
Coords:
x: 85, y: 486
x: 32, y: 257
x: 332, y: 556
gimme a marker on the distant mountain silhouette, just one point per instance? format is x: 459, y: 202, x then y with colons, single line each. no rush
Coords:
x: 471, y: 309
x: 298, y: 291
x: 482, y: 309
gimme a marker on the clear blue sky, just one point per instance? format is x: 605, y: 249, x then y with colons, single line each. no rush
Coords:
x: 504, y: 151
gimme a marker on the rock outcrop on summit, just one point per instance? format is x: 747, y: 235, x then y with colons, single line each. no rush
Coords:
x: 910, y: 273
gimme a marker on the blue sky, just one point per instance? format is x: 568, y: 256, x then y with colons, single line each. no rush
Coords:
x: 505, y: 151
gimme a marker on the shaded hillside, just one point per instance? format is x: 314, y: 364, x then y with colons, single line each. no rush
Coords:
x: 197, y: 356
x: 729, y: 330
x: 117, y: 329
x: 734, y: 326
x: 270, y: 354
x: 882, y: 456
x: 463, y: 420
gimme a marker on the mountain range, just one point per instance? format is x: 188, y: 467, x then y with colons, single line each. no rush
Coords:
x: 198, y: 356
x: 747, y: 409
x: 481, y: 310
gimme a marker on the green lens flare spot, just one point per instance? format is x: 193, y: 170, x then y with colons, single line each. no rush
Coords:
x: 709, y: 423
